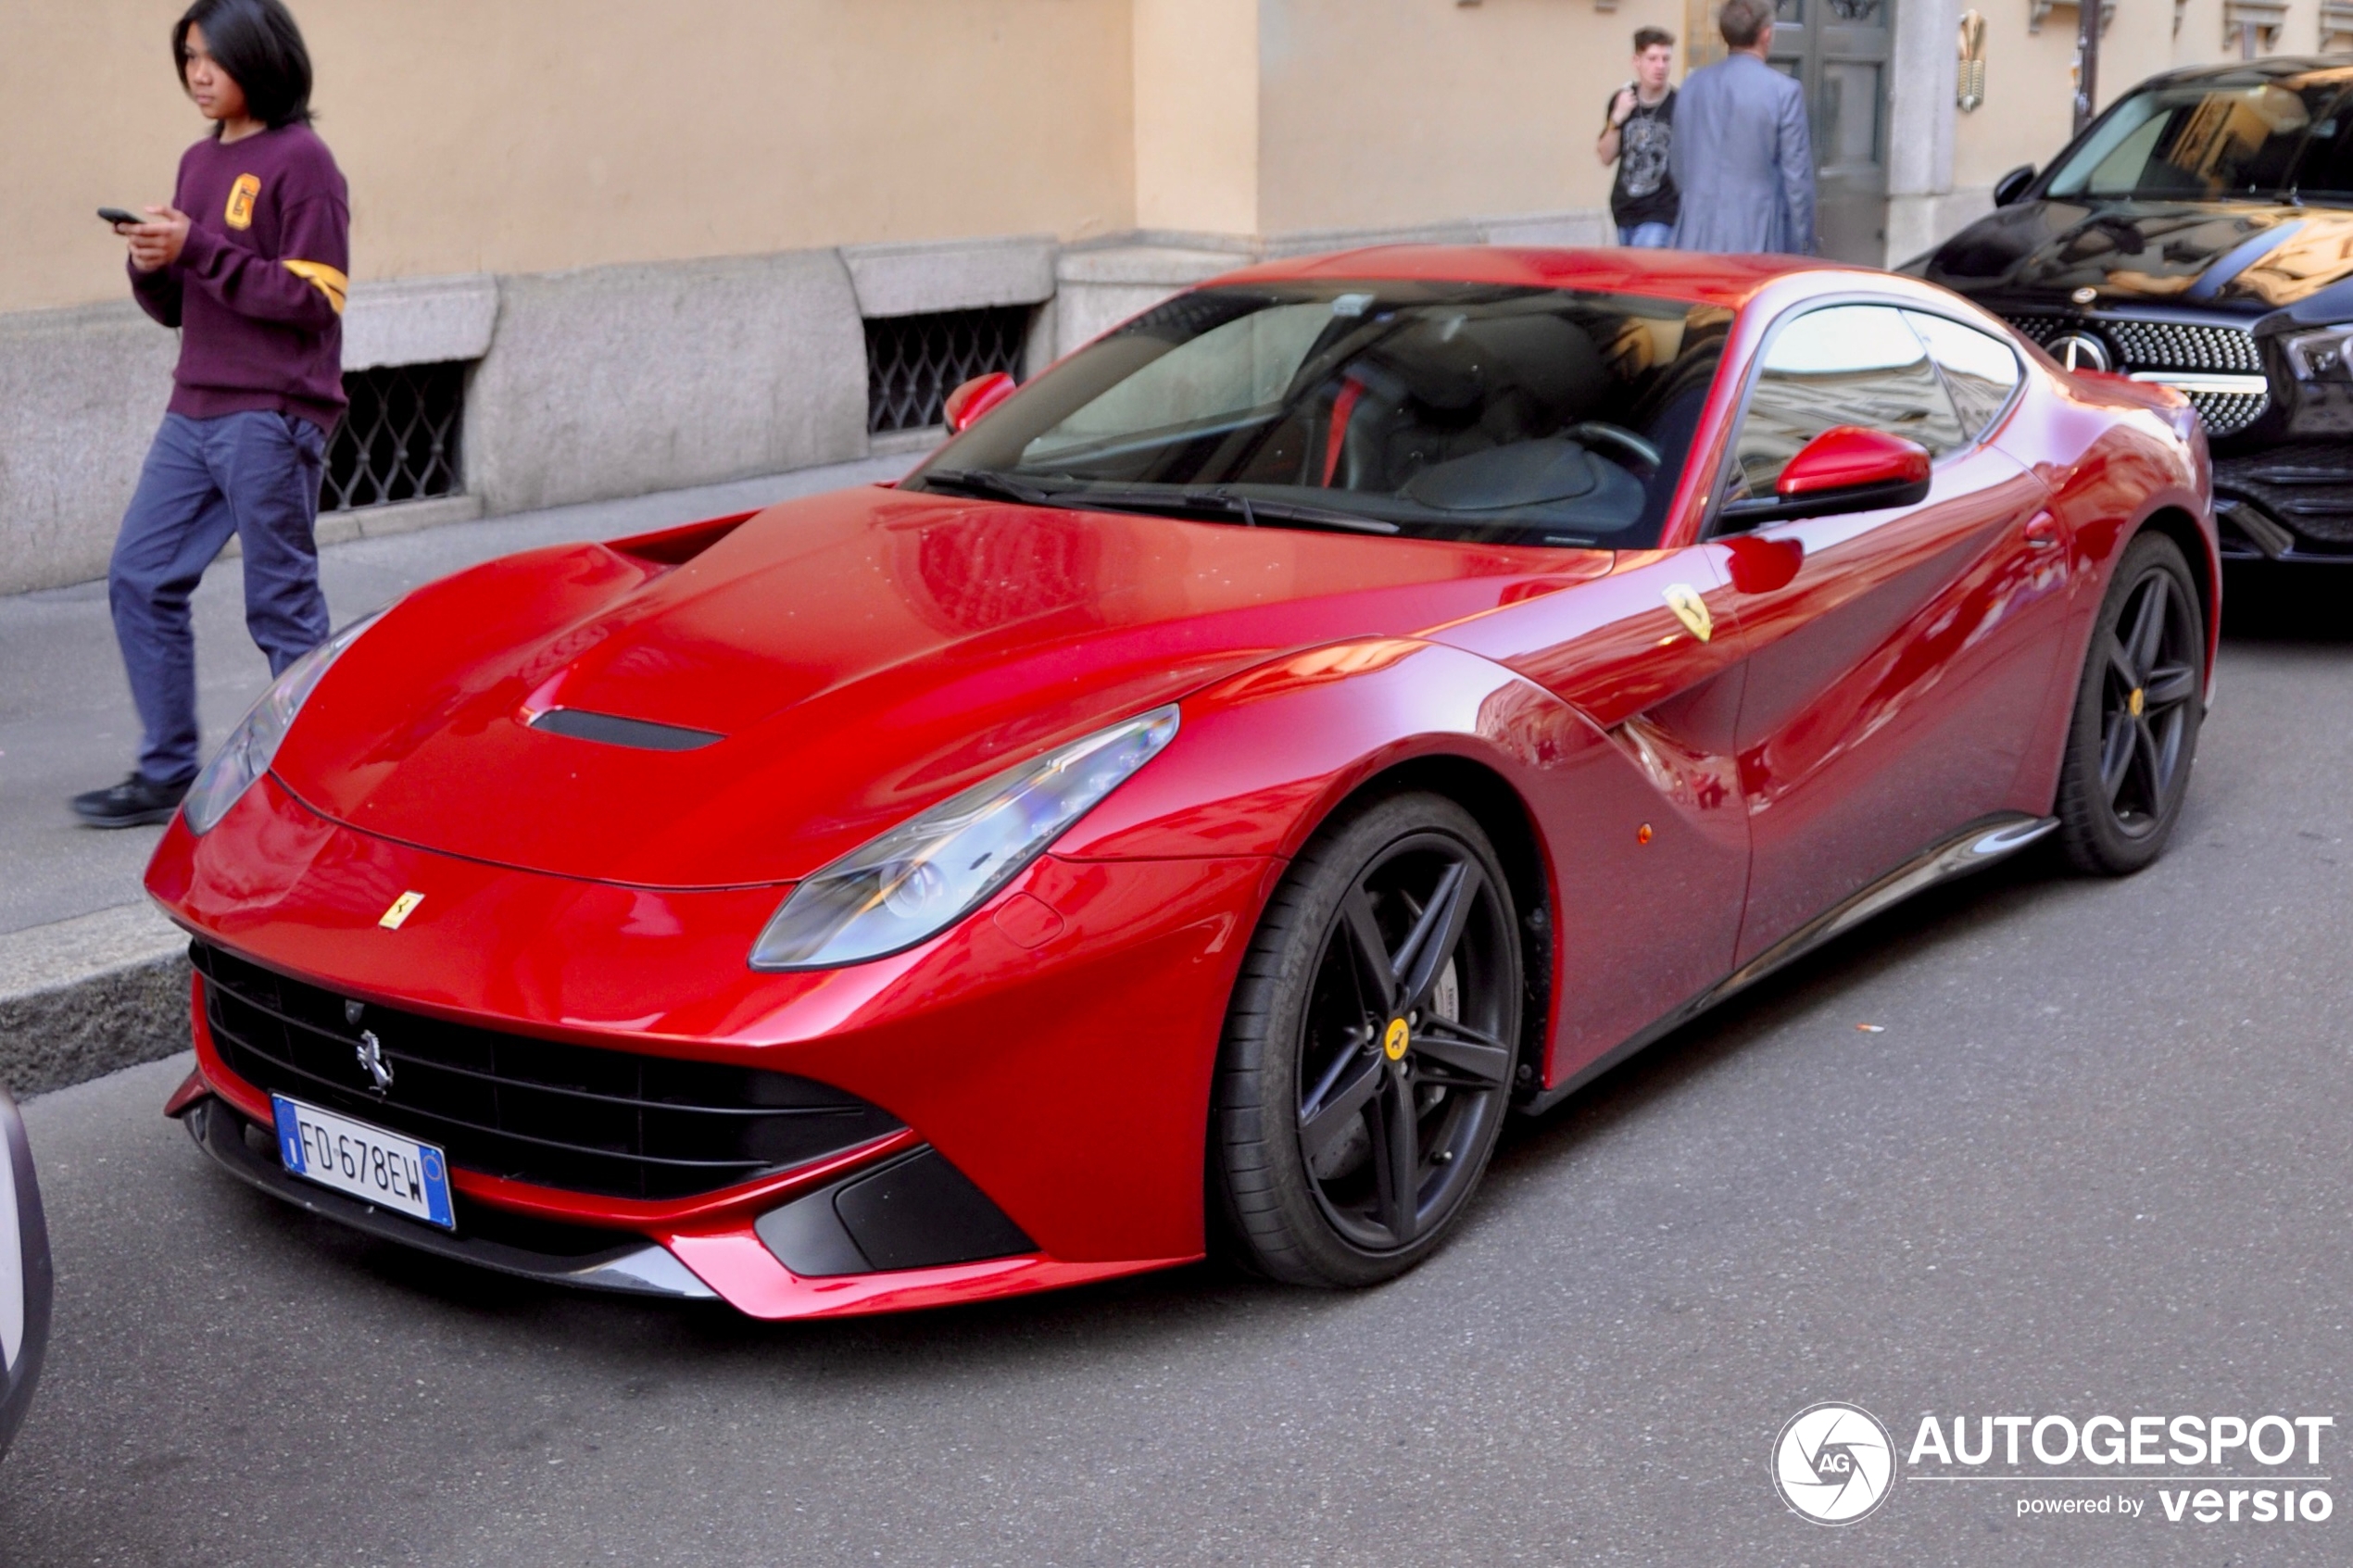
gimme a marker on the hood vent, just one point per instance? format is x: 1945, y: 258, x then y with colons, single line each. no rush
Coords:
x: 610, y: 729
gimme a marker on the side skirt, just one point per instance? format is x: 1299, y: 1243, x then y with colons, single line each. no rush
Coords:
x: 1979, y: 844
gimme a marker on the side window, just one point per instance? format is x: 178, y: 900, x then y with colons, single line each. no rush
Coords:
x: 1981, y: 371
x: 1844, y: 365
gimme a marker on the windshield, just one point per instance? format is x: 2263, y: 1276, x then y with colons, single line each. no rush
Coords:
x: 2264, y: 137
x: 1436, y: 410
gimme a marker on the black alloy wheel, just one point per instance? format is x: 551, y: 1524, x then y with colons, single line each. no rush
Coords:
x: 1370, y: 1048
x: 2137, y: 714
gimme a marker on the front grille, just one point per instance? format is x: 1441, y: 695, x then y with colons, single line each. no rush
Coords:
x: 2170, y: 346
x: 2227, y: 413
x: 2309, y: 488
x: 582, y: 1118
x: 2043, y: 328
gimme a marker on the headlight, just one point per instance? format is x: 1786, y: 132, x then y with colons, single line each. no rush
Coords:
x: 245, y: 757
x: 933, y: 869
x: 2323, y: 356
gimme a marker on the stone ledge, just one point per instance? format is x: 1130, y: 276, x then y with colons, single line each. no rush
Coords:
x: 916, y: 279
x: 83, y: 997
x: 1146, y: 266
x: 419, y: 320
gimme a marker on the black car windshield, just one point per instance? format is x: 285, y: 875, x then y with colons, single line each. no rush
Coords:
x: 1488, y: 413
x: 2254, y: 136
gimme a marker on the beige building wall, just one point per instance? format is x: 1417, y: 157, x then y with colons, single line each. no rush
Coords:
x: 505, y: 136
x: 1412, y: 112
x: 653, y: 234
x: 1197, y: 142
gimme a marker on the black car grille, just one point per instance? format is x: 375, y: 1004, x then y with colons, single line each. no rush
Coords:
x: 2308, y: 488
x: 582, y: 1118
x: 2170, y: 346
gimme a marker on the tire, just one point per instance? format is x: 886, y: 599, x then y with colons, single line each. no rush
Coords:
x: 2138, y: 710
x: 1358, y: 1097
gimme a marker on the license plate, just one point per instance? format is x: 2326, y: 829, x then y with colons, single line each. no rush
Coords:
x: 387, y: 1170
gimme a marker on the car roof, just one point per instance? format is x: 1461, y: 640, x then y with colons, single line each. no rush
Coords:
x: 1686, y: 276
x: 2272, y: 68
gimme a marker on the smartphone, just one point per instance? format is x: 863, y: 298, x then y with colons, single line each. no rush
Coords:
x: 115, y: 214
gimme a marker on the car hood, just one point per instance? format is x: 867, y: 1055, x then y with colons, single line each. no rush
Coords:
x: 2246, y: 257
x: 858, y: 656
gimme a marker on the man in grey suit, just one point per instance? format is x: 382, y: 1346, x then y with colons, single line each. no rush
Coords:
x: 1741, y: 156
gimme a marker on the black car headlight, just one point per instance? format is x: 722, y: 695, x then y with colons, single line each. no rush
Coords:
x: 2323, y: 356
x: 935, y: 867
x: 246, y: 754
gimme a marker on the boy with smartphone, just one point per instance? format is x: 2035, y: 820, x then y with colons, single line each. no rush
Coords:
x: 249, y: 262
x: 1638, y: 133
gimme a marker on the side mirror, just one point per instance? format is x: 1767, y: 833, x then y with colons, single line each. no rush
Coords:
x: 25, y: 1276
x: 976, y: 397
x: 1845, y: 469
x: 2011, y: 186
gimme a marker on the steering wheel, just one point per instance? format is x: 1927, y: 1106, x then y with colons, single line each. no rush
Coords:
x: 1593, y: 430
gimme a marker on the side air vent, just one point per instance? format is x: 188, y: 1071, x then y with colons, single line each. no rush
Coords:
x: 610, y: 729
x: 917, y: 1211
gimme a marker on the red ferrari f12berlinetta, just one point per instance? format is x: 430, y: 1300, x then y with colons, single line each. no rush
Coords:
x: 1358, y: 698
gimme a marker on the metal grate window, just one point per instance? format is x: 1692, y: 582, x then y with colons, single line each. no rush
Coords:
x: 398, y: 442
x: 914, y: 362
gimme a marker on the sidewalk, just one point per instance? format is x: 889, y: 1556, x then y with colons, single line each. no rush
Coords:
x: 87, y: 968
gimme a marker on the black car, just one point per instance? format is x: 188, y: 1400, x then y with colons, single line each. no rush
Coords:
x: 2200, y: 234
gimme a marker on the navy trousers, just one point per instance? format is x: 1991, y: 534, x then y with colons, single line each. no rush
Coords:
x: 255, y: 475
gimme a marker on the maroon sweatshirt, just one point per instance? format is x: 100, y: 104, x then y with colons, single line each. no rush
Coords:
x: 257, y: 291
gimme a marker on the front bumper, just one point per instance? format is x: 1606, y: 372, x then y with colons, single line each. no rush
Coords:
x: 1018, y: 1057
x: 629, y: 1265
x: 2287, y: 503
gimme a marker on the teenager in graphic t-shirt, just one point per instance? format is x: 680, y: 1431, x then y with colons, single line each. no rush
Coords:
x: 1636, y: 134
x: 248, y: 262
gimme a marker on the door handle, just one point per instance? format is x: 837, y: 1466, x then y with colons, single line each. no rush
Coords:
x: 2043, y: 532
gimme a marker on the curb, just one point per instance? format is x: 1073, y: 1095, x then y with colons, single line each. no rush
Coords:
x: 86, y: 997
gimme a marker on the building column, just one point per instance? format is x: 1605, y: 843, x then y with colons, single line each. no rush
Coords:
x: 1922, y: 82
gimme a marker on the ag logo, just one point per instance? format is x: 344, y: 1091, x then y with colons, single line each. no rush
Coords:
x: 1834, y: 1463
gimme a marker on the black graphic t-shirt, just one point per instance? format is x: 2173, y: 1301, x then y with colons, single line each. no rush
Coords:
x: 1645, y: 192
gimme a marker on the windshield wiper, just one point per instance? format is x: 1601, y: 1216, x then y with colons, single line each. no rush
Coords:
x: 988, y: 481
x: 1312, y: 517
x: 1223, y: 501
x: 1005, y: 487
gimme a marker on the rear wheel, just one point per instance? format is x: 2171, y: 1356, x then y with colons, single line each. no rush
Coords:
x: 2137, y: 714
x: 1369, y: 1047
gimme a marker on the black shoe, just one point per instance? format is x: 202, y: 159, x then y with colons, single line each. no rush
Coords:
x: 132, y: 803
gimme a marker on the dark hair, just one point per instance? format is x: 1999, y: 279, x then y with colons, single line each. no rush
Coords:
x: 1742, y: 20
x: 1652, y: 38
x: 257, y: 43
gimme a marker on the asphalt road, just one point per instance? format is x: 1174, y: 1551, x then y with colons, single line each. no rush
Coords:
x: 2096, y: 1161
